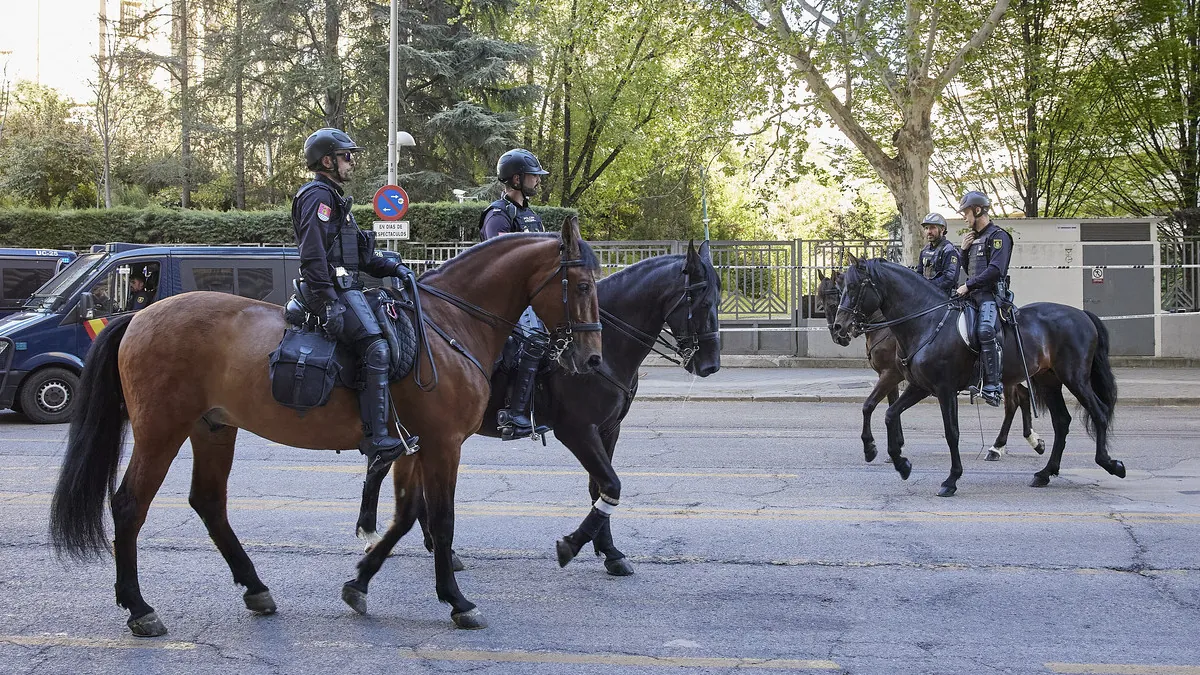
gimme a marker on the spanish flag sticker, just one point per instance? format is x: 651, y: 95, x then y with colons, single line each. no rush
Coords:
x: 94, y: 326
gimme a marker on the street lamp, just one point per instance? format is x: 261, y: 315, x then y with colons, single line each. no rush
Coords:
x: 461, y: 194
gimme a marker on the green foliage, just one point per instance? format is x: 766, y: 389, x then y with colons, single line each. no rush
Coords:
x: 44, y: 228
x: 47, y: 155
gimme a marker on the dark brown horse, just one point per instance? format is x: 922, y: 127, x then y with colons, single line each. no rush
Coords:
x: 1063, y: 346
x: 881, y: 354
x: 195, y: 366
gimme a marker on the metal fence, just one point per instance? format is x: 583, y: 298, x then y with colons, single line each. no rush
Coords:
x: 1180, y: 287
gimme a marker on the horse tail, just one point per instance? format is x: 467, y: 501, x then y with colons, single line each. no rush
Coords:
x: 97, y: 434
x: 1104, y: 384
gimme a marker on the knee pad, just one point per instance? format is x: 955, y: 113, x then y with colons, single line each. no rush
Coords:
x: 375, y: 354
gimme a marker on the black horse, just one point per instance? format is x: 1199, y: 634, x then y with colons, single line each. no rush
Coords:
x: 680, y: 292
x: 1063, y: 346
x: 884, y: 359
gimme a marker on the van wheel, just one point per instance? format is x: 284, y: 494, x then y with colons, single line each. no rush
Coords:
x: 48, y: 396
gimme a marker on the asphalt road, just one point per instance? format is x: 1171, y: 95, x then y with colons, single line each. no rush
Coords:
x: 761, y: 540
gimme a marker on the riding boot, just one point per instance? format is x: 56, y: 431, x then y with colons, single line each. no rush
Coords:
x: 515, y: 421
x: 380, y: 448
x: 989, y: 352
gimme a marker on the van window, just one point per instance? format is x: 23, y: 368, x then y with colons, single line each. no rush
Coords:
x: 219, y: 279
x: 126, y: 288
x: 21, y: 280
x: 255, y: 282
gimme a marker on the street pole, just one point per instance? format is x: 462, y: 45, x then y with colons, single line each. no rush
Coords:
x: 391, y: 167
x: 704, y: 202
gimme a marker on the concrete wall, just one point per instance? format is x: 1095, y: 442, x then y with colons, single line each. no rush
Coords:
x: 1179, y: 336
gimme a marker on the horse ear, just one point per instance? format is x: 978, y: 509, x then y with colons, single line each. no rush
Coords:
x: 705, y: 253
x: 854, y: 261
x: 570, y: 237
x: 821, y: 275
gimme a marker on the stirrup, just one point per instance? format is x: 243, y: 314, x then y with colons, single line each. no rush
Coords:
x: 384, y: 458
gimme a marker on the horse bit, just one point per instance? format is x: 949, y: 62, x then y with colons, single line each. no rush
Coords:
x: 563, y: 335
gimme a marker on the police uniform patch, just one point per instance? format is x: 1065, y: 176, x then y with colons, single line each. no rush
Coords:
x: 323, y: 212
x: 953, y: 259
x: 996, y: 243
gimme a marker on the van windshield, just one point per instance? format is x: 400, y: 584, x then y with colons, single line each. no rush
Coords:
x: 48, y: 296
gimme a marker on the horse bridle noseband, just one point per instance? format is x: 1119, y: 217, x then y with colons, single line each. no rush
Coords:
x: 564, y: 333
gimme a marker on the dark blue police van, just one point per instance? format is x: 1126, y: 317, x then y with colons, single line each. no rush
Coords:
x: 43, y: 345
x: 24, y: 270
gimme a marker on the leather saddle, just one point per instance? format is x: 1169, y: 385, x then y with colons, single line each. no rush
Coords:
x: 969, y: 315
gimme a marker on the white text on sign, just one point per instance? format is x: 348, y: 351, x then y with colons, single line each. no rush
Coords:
x: 386, y: 230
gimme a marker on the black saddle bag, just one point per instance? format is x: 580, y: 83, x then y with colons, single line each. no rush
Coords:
x: 304, y: 369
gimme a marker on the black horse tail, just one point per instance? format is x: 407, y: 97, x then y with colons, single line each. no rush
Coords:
x: 1103, y: 381
x: 89, y: 470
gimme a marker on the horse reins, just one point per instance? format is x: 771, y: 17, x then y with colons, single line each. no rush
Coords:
x: 686, y: 346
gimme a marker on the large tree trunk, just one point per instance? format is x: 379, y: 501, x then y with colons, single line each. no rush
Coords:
x: 185, y: 107
x: 239, y: 131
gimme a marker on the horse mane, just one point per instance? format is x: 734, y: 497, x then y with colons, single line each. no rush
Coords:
x: 620, y: 277
x: 590, y: 260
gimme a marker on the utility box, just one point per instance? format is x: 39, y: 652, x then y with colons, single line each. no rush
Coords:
x: 1070, y: 243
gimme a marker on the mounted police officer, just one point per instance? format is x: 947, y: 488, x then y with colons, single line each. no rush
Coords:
x: 520, y: 174
x: 987, y: 250
x: 940, y: 259
x: 332, y: 253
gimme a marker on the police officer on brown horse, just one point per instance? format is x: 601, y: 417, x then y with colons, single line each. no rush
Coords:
x: 939, y: 260
x: 520, y: 174
x: 987, y: 250
x: 333, y: 251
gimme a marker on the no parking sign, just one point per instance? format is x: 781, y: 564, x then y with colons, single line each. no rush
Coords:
x: 391, y: 202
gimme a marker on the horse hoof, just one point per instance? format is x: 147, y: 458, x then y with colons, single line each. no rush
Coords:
x: 947, y: 491
x: 147, y: 626
x: 355, y: 598
x: 1039, y: 481
x: 471, y: 619
x: 565, y: 553
x: 1040, y: 448
x: 993, y: 455
x: 1117, y: 469
x: 618, y: 567
x: 903, y: 467
x: 456, y: 562
x: 870, y: 452
x: 260, y: 603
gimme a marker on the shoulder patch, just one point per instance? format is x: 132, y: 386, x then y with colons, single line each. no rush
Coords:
x: 996, y: 243
x: 324, y: 212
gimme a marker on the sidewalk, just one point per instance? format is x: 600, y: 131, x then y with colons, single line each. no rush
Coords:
x: 1136, y: 386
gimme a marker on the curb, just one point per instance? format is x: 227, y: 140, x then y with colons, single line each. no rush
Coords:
x: 816, y: 398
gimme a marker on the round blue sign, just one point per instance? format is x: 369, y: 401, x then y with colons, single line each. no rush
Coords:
x: 391, y: 202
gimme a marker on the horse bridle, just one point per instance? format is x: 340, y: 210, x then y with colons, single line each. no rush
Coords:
x: 857, y: 318
x: 563, y: 334
x: 687, y: 344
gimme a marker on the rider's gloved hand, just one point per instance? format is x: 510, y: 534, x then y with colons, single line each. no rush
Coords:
x: 331, y: 320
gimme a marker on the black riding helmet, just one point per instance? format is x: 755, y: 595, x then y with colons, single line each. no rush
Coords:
x: 518, y: 161
x: 324, y: 142
x: 974, y: 198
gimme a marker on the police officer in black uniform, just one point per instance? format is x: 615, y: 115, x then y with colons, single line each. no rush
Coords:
x: 139, y: 297
x: 987, y: 250
x: 332, y: 253
x: 520, y: 173
x: 939, y: 260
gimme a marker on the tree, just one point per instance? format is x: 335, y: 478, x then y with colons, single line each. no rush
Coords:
x: 48, y: 154
x: 891, y: 61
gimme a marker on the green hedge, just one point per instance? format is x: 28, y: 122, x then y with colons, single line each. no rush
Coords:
x: 41, y: 228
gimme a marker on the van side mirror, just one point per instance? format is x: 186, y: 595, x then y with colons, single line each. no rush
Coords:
x: 85, y: 309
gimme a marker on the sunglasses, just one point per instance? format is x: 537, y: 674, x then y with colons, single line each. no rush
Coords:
x: 348, y: 156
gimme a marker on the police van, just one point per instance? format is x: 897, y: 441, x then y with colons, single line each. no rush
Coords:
x: 24, y: 270
x: 43, y: 345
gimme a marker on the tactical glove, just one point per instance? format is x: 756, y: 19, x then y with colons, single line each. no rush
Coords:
x: 332, y: 321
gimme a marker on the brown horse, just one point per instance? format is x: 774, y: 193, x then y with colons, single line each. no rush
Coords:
x: 195, y: 366
x: 881, y: 354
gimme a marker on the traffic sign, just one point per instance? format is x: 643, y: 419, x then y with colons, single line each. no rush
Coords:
x: 391, y: 230
x: 391, y: 202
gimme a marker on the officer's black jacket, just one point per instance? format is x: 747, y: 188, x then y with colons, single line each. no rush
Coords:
x: 318, y: 212
x: 987, y: 258
x: 939, y: 264
x: 503, y: 216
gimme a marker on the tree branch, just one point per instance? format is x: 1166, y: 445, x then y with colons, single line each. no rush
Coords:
x: 980, y: 36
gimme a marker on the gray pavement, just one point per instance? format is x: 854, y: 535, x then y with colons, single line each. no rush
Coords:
x: 1136, y: 386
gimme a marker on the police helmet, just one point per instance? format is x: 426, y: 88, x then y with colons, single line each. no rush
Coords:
x: 934, y: 219
x: 324, y: 142
x: 518, y: 161
x: 974, y: 198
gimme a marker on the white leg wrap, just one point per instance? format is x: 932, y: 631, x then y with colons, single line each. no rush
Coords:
x: 998, y: 451
x: 1033, y: 439
x: 604, y: 507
